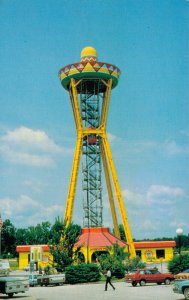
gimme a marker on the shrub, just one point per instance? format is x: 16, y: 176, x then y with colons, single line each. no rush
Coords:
x: 179, y: 263
x: 82, y: 273
x: 119, y: 270
x: 114, y: 261
x: 48, y: 270
x: 134, y: 263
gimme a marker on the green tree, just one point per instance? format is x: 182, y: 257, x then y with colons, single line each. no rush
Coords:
x: 122, y: 232
x: 134, y: 263
x: 34, y: 235
x: 114, y: 261
x: 42, y: 233
x: 21, y: 236
x: 8, y: 239
x: 118, y: 251
x: 179, y: 263
x: 182, y: 241
x: 61, y: 244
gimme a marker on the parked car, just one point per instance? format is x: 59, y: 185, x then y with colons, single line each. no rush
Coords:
x: 4, y: 267
x: 181, y: 287
x: 13, y: 285
x: 33, y: 279
x: 56, y: 279
x: 143, y: 276
x: 184, y: 275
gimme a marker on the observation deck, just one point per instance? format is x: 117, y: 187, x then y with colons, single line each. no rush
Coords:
x: 89, y: 68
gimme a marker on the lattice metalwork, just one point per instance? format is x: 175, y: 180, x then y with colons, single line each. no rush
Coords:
x: 90, y: 105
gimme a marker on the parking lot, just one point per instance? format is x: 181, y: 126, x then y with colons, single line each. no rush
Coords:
x: 124, y: 291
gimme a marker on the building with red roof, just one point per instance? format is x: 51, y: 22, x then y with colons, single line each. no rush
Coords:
x: 93, y: 241
x: 37, y: 254
x: 155, y: 251
x: 96, y: 239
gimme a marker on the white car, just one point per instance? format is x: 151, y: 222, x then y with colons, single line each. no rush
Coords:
x: 4, y: 267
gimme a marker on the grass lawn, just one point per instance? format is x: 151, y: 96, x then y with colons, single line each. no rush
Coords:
x: 13, y: 264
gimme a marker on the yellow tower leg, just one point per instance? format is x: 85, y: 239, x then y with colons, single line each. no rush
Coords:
x: 73, y: 181
x: 75, y: 104
x: 77, y: 155
x: 110, y: 194
x: 122, y: 209
x: 105, y: 104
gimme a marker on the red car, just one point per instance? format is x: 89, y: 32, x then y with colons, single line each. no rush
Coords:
x: 143, y: 276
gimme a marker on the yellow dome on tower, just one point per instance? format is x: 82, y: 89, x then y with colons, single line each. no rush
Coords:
x: 88, y: 52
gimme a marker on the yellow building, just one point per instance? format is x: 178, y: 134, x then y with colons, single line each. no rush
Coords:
x: 91, y: 241
x: 156, y: 251
x: 95, y: 240
x: 37, y: 254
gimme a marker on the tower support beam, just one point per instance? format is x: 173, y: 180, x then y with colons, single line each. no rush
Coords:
x: 75, y: 104
x: 105, y: 104
x: 110, y: 193
x: 122, y: 208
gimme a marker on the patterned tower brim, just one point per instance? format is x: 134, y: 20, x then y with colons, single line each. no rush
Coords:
x: 89, y: 67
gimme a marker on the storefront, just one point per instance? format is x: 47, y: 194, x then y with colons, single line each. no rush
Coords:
x: 93, y: 241
x: 156, y: 251
x: 39, y: 255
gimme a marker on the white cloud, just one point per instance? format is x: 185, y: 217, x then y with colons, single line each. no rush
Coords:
x: 155, y: 194
x: 30, y: 147
x: 18, y: 157
x: 25, y: 137
x: 159, y: 191
x: 141, y: 146
x: 28, y: 211
x: 156, y: 212
x: 132, y: 197
x: 133, y: 147
x: 172, y: 148
x: 179, y: 224
x: 148, y: 224
x: 34, y: 185
x: 112, y: 137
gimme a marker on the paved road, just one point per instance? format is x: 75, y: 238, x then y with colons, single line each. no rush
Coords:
x: 123, y: 291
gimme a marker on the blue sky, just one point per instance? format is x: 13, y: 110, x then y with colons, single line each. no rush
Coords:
x: 148, y: 116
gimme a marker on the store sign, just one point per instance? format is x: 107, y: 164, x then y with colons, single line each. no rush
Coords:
x: 148, y: 253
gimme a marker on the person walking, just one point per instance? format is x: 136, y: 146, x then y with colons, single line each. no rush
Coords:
x: 108, y: 280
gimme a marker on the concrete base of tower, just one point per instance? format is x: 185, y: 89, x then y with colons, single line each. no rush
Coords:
x: 94, y: 241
